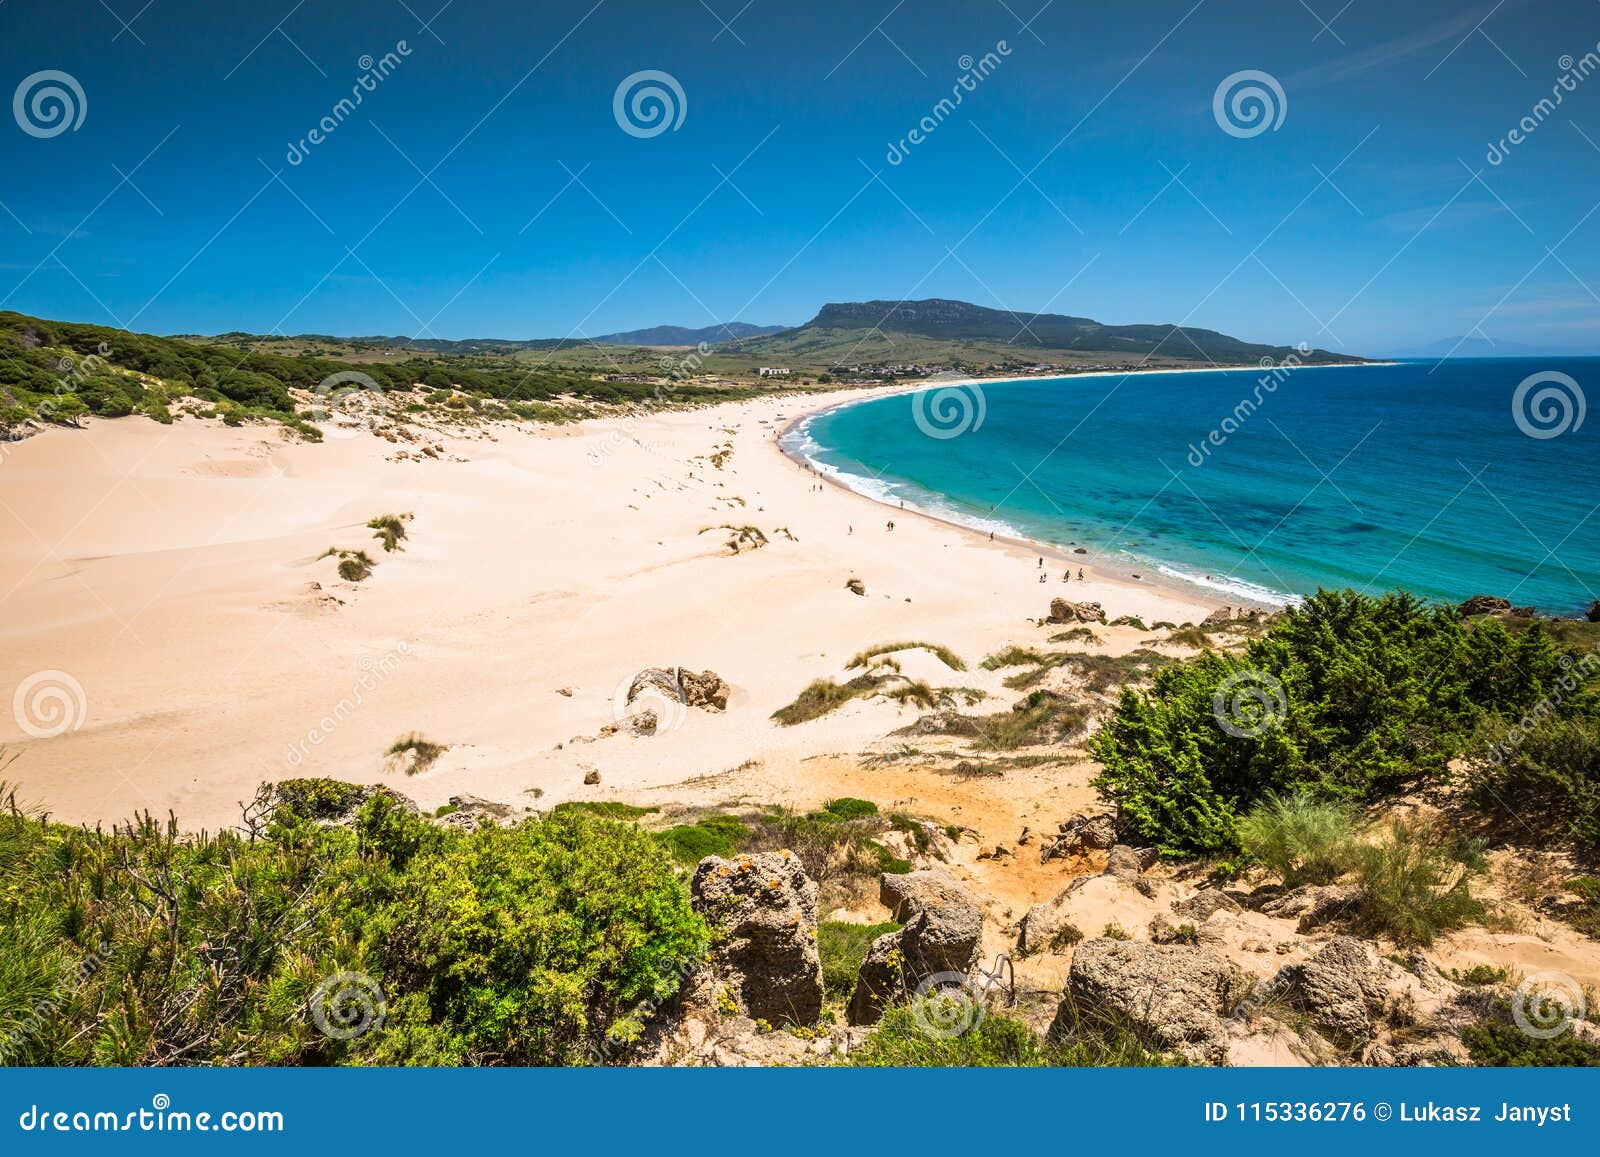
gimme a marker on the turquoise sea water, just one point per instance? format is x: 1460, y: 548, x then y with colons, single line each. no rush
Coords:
x: 1446, y: 478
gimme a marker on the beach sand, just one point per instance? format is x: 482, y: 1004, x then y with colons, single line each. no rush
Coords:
x: 171, y: 582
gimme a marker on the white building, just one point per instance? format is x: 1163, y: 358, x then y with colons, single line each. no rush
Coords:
x: 774, y: 371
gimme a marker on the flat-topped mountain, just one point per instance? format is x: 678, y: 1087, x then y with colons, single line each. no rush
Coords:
x: 961, y: 322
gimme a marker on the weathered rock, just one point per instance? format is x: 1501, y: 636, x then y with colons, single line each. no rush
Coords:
x: 1203, y: 904
x: 591, y: 777
x: 856, y: 587
x: 1065, y: 611
x: 765, y: 906
x: 1218, y: 617
x: 706, y: 689
x: 1081, y: 833
x: 1594, y: 612
x: 1129, y: 864
x: 1485, y: 605
x: 470, y: 813
x: 644, y: 723
x: 1174, y: 996
x: 1340, y: 989
x: 942, y: 929
x: 906, y: 894
x: 1314, y: 904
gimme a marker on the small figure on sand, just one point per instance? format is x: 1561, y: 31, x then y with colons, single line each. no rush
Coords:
x: 1080, y: 574
x: 1041, y: 563
x: 891, y: 524
x: 1066, y: 576
x: 1041, y: 578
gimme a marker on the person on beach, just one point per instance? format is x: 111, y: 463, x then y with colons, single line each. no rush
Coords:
x: 1080, y: 574
x: 891, y: 524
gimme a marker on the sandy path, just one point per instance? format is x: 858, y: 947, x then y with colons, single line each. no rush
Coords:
x: 166, y: 572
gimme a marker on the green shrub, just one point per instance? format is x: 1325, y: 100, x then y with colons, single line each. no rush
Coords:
x: 391, y: 530
x: 1302, y: 840
x: 605, y: 809
x: 523, y: 945
x: 1365, y: 695
x: 847, y: 808
x: 843, y: 947
x: 318, y: 799
x: 1545, y: 774
x: 1411, y: 890
x: 714, y: 835
x: 1498, y: 1042
x: 423, y: 752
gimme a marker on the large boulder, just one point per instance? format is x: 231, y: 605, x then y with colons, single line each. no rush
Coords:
x: 1066, y: 611
x: 942, y: 928
x: 1173, y: 996
x: 1341, y: 989
x: 765, y: 908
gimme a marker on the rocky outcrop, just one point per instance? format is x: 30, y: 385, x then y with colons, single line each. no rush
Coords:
x: 706, y: 689
x: 469, y: 813
x: 1079, y: 834
x: 765, y: 909
x: 1173, y: 996
x: 1485, y: 605
x: 1594, y: 612
x: 1204, y: 904
x: 1065, y: 611
x: 1342, y: 989
x: 942, y: 928
x: 1315, y: 905
x: 1119, y: 892
x: 1128, y: 865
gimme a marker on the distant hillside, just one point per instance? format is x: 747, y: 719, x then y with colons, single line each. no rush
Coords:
x: 960, y: 332
x: 679, y: 335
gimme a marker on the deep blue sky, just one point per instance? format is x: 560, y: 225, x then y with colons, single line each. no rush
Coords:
x: 1102, y: 105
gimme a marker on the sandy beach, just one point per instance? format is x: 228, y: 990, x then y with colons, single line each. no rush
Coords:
x: 171, y: 583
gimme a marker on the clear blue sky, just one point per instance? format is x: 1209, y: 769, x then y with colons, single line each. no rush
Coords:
x: 541, y: 217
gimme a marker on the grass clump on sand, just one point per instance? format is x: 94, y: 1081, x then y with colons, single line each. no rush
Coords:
x: 354, y: 565
x: 944, y: 654
x: 423, y: 752
x: 1415, y: 885
x: 901, y: 1041
x: 391, y: 530
x: 822, y: 696
x: 1013, y: 657
x: 849, y: 808
x: 1301, y: 839
x: 843, y: 946
x: 1042, y: 717
x: 605, y: 809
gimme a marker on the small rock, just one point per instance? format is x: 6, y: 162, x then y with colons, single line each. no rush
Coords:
x: 856, y: 587
x: 591, y: 777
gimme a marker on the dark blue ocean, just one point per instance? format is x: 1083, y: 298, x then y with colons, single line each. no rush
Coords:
x: 1448, y: 478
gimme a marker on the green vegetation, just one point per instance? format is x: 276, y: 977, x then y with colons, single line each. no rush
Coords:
x: 1499, y: 1042
x: 423, y: 752
x: 508, y: 945
x: 1413, y: 887
x: 1345, y: 697
x: 1546, y: 776
x: 1013, y: 657
x: 714, y: 835
x: 1300, y: 839
x: 944, y: 654
x: 843, y: 947
x: 354, y: 565
x: 55, y: 371
x: 901, y: 1042
x: 391, y: 529
x: 849, y: 808
x: 822, y: 696
x: 606, y: 809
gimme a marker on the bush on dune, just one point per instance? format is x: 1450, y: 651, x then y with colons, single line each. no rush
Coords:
x: 1355, y: 697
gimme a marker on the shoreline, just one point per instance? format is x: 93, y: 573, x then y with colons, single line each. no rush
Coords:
x: 1100, y: 569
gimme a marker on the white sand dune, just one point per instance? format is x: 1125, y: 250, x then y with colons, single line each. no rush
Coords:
x: 167, y: 573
